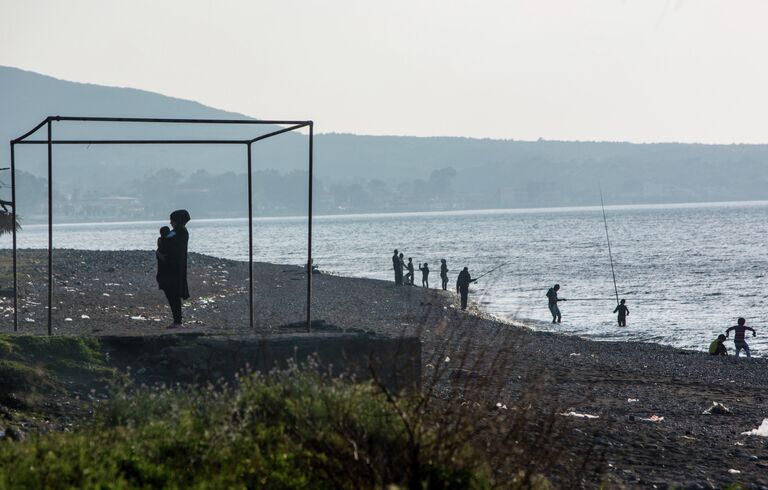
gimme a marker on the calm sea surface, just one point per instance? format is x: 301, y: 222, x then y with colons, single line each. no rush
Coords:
x: 687, y: 271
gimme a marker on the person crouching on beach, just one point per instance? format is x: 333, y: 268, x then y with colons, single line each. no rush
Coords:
x: 738, y: 340
x: 717, y: 347
x: 424, y: 275
x: 623, y: 312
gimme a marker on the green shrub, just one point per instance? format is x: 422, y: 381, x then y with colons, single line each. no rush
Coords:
x: 288, y: 430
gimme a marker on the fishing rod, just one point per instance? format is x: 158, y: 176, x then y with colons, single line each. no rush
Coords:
x: 611, y: 299
x: 593, y: 299
x: 488, y: 272
x: 607, y: 239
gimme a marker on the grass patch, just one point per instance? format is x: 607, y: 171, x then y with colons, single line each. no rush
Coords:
x: 31, y: 366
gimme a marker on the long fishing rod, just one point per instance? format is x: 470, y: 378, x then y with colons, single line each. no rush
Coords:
x: 488, y: 272
x: 607, y: 239
x: 594, y: 299
x: 611, y: 299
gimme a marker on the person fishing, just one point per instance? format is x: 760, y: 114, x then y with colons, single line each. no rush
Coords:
x: 553, y: 300
x: 738, y: 339
x: 623, y: 311
x: 444, y: 274
x: 398, y: 268
x: 462, y: 286
x: 424, y: 275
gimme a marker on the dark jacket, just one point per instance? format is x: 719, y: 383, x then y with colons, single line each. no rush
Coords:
x: 463, y: 281
x: 622, y: 310
x: 552, y: 295
x: 173, y: 277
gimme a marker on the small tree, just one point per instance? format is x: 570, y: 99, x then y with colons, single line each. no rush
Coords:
x: 6, y: 216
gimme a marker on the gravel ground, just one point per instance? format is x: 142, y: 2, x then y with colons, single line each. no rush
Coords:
x: 99, y: 293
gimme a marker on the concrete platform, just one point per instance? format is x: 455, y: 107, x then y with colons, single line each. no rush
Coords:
x: 196, y: 358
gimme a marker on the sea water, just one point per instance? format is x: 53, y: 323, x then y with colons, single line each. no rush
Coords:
x: 686, y: 271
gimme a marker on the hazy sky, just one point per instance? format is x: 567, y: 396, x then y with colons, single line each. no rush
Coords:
x: 641, y: 70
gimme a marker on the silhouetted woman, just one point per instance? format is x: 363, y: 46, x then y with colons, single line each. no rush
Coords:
x: 172, y: 278
x: 444, y: 273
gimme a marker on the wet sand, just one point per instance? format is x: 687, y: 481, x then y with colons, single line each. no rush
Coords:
x: 99, y: 293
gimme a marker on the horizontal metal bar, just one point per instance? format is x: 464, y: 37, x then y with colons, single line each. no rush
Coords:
x: 31, y: 131
x: 173, y: 120
x: 136, y: 142
x: 280, y: 131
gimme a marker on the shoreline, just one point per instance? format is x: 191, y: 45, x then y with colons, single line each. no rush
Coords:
x: 42, y: 223
x: 117, y: 293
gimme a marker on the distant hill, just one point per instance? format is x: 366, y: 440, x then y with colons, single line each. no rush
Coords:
x: 354, y: 173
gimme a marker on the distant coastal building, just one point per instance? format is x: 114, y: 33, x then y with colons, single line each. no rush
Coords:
x: 106, y: 207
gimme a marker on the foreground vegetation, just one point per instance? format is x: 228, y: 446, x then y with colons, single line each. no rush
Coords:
x: 292, y: 430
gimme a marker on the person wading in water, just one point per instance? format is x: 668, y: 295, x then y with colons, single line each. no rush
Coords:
x: 462, y: 286
x: 553, y: 308
x: 623, y: 311
x: 172, y: 277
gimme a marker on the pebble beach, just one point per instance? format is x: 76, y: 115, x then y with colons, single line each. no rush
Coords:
x: 640, y: 405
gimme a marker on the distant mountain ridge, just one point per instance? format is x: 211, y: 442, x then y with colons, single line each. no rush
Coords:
x: 354, y: 173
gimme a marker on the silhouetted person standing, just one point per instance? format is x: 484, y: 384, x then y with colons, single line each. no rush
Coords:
x: 738, y: 339
x: 402, y: 267
x: 411, y: 270
x: 462, y: 286
x: 444, y: 274
x: 623, y: 311
x: 397, y: 266
x: 553, y: 300
x: 424, y: 275
x: 173, y: 279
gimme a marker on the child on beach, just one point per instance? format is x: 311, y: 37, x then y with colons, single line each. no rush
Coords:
x: 409, y: 276
x: 424, y: 275
x: 623, y: 312
x: 738, y: 339
x: 717, y: 347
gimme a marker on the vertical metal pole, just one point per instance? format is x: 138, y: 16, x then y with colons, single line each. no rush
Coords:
x: 250, y: 236
x: 309, y: 229
x: 50, y: 227
x: 13, y: 223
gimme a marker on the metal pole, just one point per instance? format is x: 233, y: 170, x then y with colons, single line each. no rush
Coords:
x: 250, y: 236
x: 309, y: 229
x: 13, y: 223
x: 50, y: 227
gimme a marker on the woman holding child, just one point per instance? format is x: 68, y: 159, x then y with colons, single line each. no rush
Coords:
x: 172, y: 263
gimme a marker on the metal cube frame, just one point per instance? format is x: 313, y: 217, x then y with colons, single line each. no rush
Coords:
x: 50, y: 143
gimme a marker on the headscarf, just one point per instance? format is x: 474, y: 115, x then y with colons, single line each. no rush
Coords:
x: 181, y: 216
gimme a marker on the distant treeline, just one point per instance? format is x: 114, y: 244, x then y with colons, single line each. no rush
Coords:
x: 673, y: 174
x: 225, y: 195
